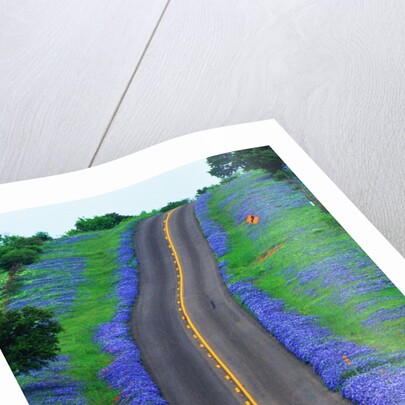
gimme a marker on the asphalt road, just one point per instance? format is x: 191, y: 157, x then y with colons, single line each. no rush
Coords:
x: 180, y: 364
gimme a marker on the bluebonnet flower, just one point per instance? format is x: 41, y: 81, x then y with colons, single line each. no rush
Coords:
x: 216, y: 237
x: 52, y: 284
x: 126, y: 373
x: 52, y: 385
x: 348, y: 269
x: 382, y: 385
x: 385, y: 314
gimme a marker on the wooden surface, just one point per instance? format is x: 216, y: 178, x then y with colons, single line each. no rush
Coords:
x: 63, y: 68
x: 83, y: 83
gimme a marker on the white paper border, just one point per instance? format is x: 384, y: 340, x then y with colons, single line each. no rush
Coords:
x: 180, y: 151
x: 10, y: 391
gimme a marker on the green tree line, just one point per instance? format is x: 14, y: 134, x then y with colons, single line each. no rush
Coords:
x: 228, y: 164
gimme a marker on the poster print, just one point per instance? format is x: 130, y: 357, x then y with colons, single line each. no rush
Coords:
x: 225, y: 281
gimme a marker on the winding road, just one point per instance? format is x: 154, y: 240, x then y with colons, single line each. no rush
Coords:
x: 198, y: 344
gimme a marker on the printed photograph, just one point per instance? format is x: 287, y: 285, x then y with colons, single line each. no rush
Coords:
x: 222, y: 282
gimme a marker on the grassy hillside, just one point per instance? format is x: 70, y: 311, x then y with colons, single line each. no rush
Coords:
x: 90, y: 282
x: 309, y: 284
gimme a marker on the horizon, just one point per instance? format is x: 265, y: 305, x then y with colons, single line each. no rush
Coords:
x: 174, y: 185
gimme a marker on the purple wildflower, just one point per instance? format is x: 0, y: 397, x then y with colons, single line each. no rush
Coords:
x: 358, y: 380
x: 52, y: 385
x: 385, y: 314
x: 51, y: 283
x: 126, y: 372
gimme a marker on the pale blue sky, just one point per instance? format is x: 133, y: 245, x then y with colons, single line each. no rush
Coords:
x: 56, y: 219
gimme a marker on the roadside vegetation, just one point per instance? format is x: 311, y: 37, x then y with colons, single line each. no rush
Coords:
x: 32, y: 341
x: 97, y: 223
x: 297, y: 271
x: 86, y: 285
x: 306, y: 280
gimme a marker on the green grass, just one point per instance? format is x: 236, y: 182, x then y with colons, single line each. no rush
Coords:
x: 94, y: 304
x: 3, y: 282
x: 309, y: 235
x: 91, y: 308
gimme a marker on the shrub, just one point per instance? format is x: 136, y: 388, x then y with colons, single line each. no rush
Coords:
x: 43, y: 236
x: 28, y: 338
x: 174, y: 204
x: 12, y: 257
x: 97, y: 223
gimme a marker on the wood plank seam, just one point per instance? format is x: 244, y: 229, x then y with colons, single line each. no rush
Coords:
x: 129, y: 84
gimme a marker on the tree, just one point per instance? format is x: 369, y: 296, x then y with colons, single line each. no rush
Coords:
x: 19, y: 250
x: 259, y: 158
x: 97, y: 223
x: 10, y: 257
x: 201, y: 191
x: 6, y: 240
x: 227, y: 164
x: 28, y: 338
x: 31, y: 242
x: 43, y: 236
x: 174, y: 204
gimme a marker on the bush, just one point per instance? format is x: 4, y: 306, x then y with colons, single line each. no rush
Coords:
x: 17, y: 250
x: 201, y: 191
x: 228, y: 165
x: 43, y: 236
x: 28, y: 338
x: 280, y: 175
x: 97, y: 223
x: 10, y: 256
x: 174, y: 204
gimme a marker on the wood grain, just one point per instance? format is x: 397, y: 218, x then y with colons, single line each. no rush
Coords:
x: 63, y: 68
x: 330, y: 72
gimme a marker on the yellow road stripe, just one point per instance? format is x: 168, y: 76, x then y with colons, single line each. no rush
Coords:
x: 188, y: 319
